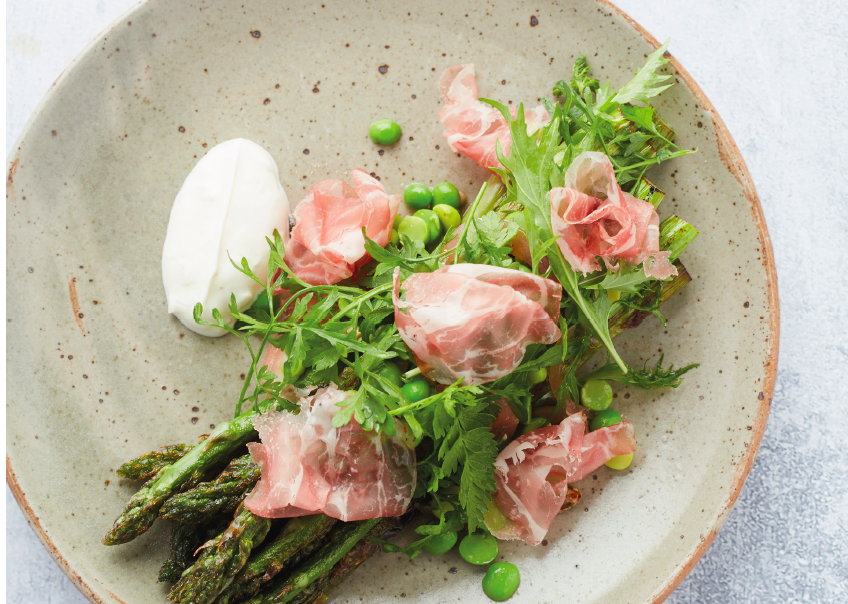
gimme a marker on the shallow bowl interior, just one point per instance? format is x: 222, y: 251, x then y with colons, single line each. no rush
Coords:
x: 98, y: 372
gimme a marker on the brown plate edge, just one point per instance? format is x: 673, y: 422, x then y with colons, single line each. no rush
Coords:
x: 733, y: 161
x: 735, y: 164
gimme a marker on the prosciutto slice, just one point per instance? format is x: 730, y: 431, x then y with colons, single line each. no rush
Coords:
x: 473, y: 322
x: 505, y: 423
x: 595, y: 218
x: 473, y: 127
x: 326, y: 244
x: 533, y: 471
x: 308, y: 466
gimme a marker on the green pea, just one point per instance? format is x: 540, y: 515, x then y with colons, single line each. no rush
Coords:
x: 390, y: 372
x: 384, y: 132
x: 448, y: 215
x: 434, y: 225
x: 605, y: 419
x: 478, y: 548
x: 494, y: 517
x: 501, y: 581
x: 414, y: 228
x: 446, y: 193
x: 261, y: 302
x: 536, y: 377
x: 596, y: 395
x: 534, y: 424
x: 440, y: 544
x: 417, y: 196
x: 396, y: 223
x: 416, y: 390
x: 394, y: 238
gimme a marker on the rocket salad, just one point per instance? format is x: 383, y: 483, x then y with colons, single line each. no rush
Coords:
x: 420, y: 354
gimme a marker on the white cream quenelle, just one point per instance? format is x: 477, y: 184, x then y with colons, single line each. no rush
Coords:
x: 229, y: 203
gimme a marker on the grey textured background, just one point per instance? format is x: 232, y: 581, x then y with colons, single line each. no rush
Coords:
x: 778, y: 74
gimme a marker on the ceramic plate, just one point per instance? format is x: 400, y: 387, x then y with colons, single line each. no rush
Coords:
x: 98, y: 372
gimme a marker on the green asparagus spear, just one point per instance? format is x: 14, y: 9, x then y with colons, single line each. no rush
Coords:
x: 319, y: 590
x: 143, y: 508
x: 147, y: 465
x: 185, y: 539
x: 220, y: 496
x: 344, y: 539
x: 301, y: 537
x: 221, y: 560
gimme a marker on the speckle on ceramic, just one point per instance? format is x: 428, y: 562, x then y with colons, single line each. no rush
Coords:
x: 134, y: 122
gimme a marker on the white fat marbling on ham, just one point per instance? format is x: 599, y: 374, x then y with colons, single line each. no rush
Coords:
x: 474, y: 322
x: 595, y: 218
x: 473, y: 127
x: 308, y: 466
x: 326, y: 244
x: 533, y: 471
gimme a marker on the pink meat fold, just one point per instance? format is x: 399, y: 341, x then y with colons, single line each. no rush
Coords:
x: 474, y: 322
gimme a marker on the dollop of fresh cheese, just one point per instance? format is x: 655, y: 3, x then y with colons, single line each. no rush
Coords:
x: 228, y: 204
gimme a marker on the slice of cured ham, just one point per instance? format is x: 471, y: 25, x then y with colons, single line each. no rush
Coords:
x: 472, y: 127
x: 526, y: 497
x: 533, y: 471
x: 474, y: 322
x: 505, y: 423
x: 595, y: 218
x: 308, y: 466
x: 326, y: 242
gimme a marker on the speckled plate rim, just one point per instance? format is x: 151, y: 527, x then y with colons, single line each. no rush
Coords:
x: 732, y: 159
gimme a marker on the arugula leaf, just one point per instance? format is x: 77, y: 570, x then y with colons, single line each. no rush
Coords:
x: 646, y: 378
x: 530, y: 166
x: 628, y: 280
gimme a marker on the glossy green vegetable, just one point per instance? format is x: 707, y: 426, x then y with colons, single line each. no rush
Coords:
x: 384, y: 132
x: 396, y: 224
x: 619, y: 462
x: 596, y: 395
x: 394, y: 238
x: 441, y: 544
x: 494, y: 517
x: 390, y: 372
x: 448, y: 215
x: 478, y: 548
x: 434, y: 225
x: 605, y: 419
x: 501, y: 581
x: 446, y: 193
x: 416, y: 390
x: 534, y: 424
x: 536, y: 377
x: 417, y: 196
x: 414, y: 228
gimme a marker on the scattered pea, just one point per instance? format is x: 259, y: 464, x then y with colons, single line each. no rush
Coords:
x: 534, y: 424
x: 441, y: 544
x: 394, y: 238
x: 613, y: 295
x: 434, y: 225
x: 536, y: 377
x: 478, y: 548
x: 416, y: 390
x: 384, y: 132
x: 596, y: 395
x: 605, y: 419
x: 390, y: 372
x: 620, y: 462
x: 501, y: 581
x: 417, y: 196
x: 446, y: 193
x: 414, y: 228
x: 448, y: 215
x: 494, y: 517
x: 398, y: 218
